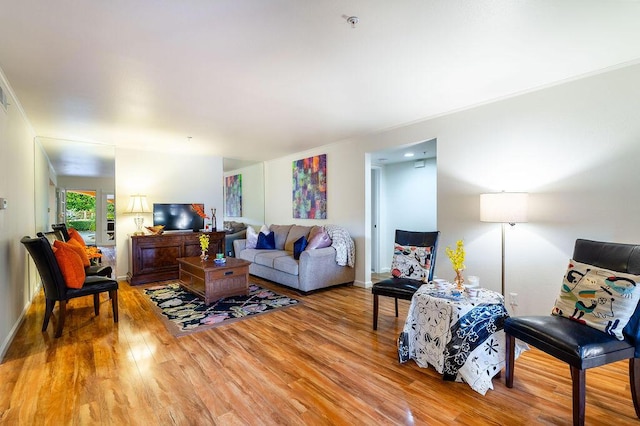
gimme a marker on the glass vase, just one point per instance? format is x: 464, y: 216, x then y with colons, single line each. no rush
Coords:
x: 204, y: 256
x: 459, y: 280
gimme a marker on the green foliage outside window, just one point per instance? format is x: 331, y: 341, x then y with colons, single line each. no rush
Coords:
x: 81, y: 210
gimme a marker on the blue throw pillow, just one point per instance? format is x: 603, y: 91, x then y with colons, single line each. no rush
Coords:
x: 266, y: 242
x: 299, y: 246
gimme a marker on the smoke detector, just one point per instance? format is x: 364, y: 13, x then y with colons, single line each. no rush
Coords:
x: 353, y: 20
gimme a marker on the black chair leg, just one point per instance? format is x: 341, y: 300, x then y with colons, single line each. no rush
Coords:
x: 510, y: 359
x: 396, y: 299
x: 48, y: 310
x: 578, y: 378
x: 375, y: 311
x: 61, y: 317
x: 113, y: 294
x: 634, y: 383
x: 96, y: 303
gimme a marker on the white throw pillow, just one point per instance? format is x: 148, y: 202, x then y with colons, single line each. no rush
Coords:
x: 252, y: 238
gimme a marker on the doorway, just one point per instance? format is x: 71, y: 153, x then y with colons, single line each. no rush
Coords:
x: 80, y: 213
x: 403, y: 196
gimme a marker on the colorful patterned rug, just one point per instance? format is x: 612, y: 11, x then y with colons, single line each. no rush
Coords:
x: 184, y: 313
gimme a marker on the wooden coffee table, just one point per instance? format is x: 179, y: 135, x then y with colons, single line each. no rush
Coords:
x: 211, y: 281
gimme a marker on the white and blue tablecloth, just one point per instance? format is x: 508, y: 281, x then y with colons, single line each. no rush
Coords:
x: 461, y: 337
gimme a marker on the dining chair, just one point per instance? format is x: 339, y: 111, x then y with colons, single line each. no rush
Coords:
x: 55, y: 289
x: 574, y: 342
x: 103, y: 271
x: 403, y: 285
x: 61, y: 228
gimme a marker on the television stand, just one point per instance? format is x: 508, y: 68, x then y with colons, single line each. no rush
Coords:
x: 154, y: 257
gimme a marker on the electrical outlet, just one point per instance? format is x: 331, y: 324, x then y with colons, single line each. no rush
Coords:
x: 513, y: 299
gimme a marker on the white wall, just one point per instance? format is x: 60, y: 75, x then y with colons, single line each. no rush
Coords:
x: 164, y: 178
x: 573, y: 147
x: 18, y: 280
x: 252, y: 194
x: 409, y: 197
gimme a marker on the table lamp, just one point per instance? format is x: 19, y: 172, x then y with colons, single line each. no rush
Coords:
x: 138, y: 205
x: 504, y: 207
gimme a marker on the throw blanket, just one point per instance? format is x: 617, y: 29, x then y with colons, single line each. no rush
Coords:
x: 342, y: 242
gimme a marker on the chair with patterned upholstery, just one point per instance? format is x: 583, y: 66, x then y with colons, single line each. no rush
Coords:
x: 595, y: 321
x: 414, y: 262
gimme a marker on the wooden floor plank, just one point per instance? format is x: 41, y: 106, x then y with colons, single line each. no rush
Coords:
x: 316, y: 363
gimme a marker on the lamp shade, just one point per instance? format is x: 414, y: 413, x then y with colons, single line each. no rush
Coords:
x: 138, y: 204
x: 504, y: 207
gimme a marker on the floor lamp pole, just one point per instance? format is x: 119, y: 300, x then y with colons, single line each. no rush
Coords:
x: 502, y: 276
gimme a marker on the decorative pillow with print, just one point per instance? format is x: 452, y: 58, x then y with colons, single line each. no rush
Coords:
x: 411, y: 262
x: 600, y: 298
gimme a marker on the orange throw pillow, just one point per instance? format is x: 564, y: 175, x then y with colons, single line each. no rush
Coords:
x: 70, y: 264
x: 75, y: 235
x: 81, y: 250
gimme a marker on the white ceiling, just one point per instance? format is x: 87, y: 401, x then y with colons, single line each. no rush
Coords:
x: 256, y: 80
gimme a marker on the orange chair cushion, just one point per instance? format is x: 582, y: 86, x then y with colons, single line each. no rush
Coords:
x: 75, y: 235
x: 70, y: 264
x: 81, y: 250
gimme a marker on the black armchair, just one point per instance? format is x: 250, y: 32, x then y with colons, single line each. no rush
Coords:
x: 404, y: 288
x: 103, y: 271
x: 579, y: 345
x: 55, y: 289
x: 61, y: 229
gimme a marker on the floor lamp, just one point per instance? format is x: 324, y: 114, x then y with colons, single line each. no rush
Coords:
x: 138, y: 205
x: 504, y: 207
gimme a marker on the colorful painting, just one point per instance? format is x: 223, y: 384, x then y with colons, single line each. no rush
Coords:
x: 310, y: 188
x: 233, y: 196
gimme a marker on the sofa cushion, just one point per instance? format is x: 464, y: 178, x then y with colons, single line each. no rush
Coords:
x: 286, y: 264
x: 267, y: 257
x: 294, y: 235
x: 281, y: 232
x: 231, y: 227
x: 320, y: 239
x: 299, y: 246
x: 252, y: 238
x: 266, y: 241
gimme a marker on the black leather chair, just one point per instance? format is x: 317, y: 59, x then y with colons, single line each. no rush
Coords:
x: 61, y: 229
x: 581, y: 346
x: 103, y: 271
x: 55, y: 289
x: 404, y: 288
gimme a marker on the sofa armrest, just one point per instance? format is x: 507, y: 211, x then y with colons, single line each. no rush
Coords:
x: 325, y: 254
x: 230, y: 238
x: 239, y: 245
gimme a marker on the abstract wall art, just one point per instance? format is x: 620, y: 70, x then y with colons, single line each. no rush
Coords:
x: 310, y: 188
x: 233, y: 196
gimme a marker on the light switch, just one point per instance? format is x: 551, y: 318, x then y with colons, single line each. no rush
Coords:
x: 3, y: 203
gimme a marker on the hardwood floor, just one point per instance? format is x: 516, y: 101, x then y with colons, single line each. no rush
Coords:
x: 316, y: 363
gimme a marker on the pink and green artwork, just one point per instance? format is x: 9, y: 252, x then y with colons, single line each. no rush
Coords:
x: 233, y: 199
x: 310, y: 188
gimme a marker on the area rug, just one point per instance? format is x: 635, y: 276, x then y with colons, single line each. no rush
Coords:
x: 184, y: 313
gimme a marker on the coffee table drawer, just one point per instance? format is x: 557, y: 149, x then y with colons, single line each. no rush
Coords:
x: 227, y: 273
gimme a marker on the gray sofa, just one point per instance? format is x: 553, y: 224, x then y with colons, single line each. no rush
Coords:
x: 315, y: 269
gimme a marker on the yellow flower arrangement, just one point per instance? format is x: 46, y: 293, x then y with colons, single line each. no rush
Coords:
x: 456, y: 256
x: 204, y: 242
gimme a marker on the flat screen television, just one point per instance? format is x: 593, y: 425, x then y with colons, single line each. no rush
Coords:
x: 177, y: 217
